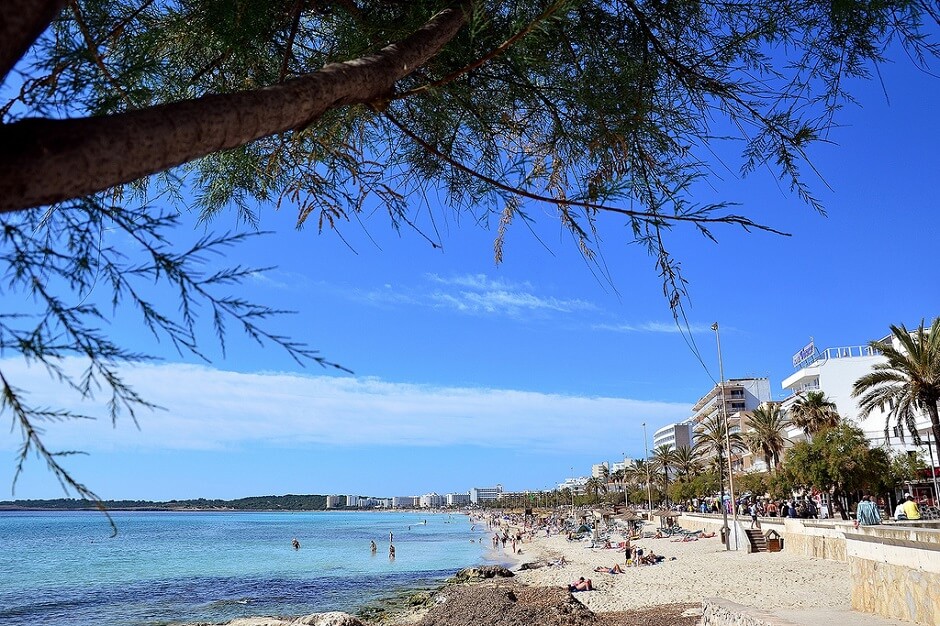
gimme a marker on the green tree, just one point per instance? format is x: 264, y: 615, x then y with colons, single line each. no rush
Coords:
x: 813, y: 412
x: 757, y: 483
x: 906, y: 467
x: 837, y: 460
x: 686, y: 463
x: 908, y: 383
x: 765, y: 435
x: 338, y: 109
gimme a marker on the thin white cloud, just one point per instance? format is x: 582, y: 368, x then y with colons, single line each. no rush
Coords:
x: 653, y: 327
x: 478, y: 294
x: 213, y: 409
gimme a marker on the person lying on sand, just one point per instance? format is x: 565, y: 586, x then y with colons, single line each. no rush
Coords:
x: 609, y: 570
x: 581, y: 585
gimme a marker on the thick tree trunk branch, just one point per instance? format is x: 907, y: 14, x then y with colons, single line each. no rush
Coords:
x: 46, y: 161
x: 21, y: 23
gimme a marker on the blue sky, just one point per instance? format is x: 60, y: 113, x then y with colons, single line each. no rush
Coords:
x: 469, y: 374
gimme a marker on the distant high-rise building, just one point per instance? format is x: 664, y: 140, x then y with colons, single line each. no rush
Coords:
x: 458, y: 499
x: 483, y: 494
x: 600, y: 470
x: 431, y: 501
x: 674, y: 435
x: 738, y: 396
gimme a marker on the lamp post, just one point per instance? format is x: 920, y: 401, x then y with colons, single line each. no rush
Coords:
x: 933, y: 471
x: 572, y: 494
x: 649, y: 486
x: 724, y: 419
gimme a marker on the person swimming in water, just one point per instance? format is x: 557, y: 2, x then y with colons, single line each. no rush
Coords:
x: 295, y: 543
x: 374, y: 547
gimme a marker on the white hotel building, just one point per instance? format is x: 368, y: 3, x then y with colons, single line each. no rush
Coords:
x: 674, y: 435
x: 739, y: 396
x: 833, y: 371
x: 483, y: 494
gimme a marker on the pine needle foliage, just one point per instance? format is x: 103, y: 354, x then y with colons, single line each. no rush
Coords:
x: 422, y: 110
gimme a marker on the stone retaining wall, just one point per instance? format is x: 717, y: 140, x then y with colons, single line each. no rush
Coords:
x: 822, y: 539
x: 895, y: 572
x: 719, y: 612
x: 894, y: 568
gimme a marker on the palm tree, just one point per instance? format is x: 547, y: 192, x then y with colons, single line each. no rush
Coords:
x: 592, y: 486
x: 711, y: 442
x: 767, y: 424
x: 686, y: 463
x: 642, y: 474
x: 663, y: 459
x: 814, y: 413
x: 908, y: 382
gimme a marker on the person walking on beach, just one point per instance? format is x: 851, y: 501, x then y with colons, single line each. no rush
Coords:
x: 753, y: 511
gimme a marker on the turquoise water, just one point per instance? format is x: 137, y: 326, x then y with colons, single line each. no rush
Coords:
x: 64, y: 568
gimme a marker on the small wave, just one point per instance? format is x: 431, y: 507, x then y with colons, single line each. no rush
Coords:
x: 229, y: 602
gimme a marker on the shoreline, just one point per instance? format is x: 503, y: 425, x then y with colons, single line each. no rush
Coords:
x: 689, y: 572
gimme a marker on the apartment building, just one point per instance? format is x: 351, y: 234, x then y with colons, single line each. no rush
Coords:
x: 483, y: 494
x: 431, y: 501
x: 457, y: 499
x: 674, y: 435
x: 737, y: 396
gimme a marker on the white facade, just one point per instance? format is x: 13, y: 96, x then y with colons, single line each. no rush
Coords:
x: 740, y: 395
x: 833, y: 371
x: 352, y: 501
x: 623, y: 465
x: 674, y: 435
x: 458, y: 499
x: 335, y: 502
x: 483, y: 494
x: 405, y: 502
x: 576, y: 484
x: 600, y: 470
x: 431, y: 501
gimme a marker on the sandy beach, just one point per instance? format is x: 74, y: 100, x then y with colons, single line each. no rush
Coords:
x: 692, y: 571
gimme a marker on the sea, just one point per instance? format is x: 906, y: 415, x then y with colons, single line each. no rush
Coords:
x: 66, y: 568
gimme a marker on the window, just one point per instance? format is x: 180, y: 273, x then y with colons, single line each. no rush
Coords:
x: 737, y: 406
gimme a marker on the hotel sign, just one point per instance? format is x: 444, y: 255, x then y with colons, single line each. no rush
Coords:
x: 807, y: 351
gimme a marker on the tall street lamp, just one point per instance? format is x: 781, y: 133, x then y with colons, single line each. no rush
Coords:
x: 649, y: 486
x: 724, y: 418
x: 572, y: 494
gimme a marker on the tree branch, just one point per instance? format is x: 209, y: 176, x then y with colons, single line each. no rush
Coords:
x: 21, y: 23
x: 647, y: 216
x: 39, y: 157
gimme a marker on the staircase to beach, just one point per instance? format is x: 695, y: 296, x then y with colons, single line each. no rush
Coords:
x: 757, y: 540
